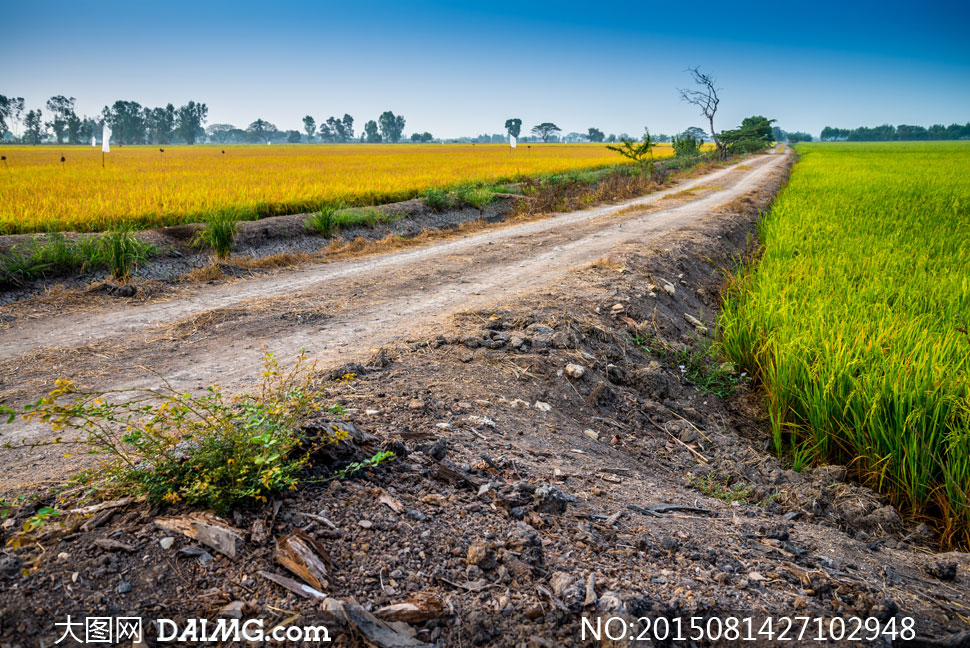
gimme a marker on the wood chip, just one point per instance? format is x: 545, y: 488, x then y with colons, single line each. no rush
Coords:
x: 305, y: 557
x: 208, y: 529
x: 418, y: 608
x: 391, y: 503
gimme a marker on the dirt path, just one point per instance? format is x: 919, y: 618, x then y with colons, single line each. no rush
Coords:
x: 338, y: 311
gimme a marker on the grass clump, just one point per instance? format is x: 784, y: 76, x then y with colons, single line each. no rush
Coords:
x: 722, y: 488
x: 477, y: 197
x: 53, y: 255
x: 324, y: 221
x: 698, y: 364
x: 219, y: 234
x: 855, y: 321
x: 121, y: 252
x: 437, y: 199
x: 212, y: 450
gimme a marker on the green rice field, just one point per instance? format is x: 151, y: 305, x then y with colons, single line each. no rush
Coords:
x: 855, y: 321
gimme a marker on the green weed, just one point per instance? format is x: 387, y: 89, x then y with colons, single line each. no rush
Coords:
x: 722, y: 488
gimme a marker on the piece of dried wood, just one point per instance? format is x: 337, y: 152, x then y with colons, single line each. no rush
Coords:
x: 375, y: 632
x: 94, y: 508
x: 113, y: 545
x: 448, y: 471
x: 391, y: 503
x: 294, y: 586
x: 418, y: 608
x: 208, y: 529
x: 305, y: 557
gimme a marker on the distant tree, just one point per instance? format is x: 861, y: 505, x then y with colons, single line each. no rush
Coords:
x: 88, y: 129
x: 62, y: 113
x: 611, y: 138
x: 189, y: 120
x: 309, y: 127
x: 34, y: 127
x: 595, y: 135
x: 160, y: 124
x: 127, y: 121
x: 293, y: 136
x: 370, y: 133
x: 260, y: 131
x: 545, y: 130
x: 753, y: 135
x: 6, y: 112
x: 426, y: 137
x: 415, y: 137
x: 697, y: 133
x: 220, y: 132
x: 391, y: 126
x: 421, y: 137
x: 706, y: 99
x: 348, y: 127
x: 513, y: 126
x: 798, y: 136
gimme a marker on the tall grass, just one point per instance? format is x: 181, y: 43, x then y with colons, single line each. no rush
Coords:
x: 855, y: 321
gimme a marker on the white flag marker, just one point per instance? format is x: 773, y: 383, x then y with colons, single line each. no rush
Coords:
x: 106, y: 139
x: 512, y: 141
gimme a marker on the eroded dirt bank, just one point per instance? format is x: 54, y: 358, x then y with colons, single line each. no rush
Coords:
x: 523, y: 494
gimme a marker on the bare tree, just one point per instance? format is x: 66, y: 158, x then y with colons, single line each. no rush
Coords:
x: 706, y: 99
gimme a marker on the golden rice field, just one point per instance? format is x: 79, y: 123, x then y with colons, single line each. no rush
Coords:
x: 144, y: 187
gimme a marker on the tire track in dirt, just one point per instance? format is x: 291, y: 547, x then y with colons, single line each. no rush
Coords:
x: 363, y: 303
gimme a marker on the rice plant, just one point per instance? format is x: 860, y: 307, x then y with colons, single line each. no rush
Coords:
x: 219, y: 234
x: 199, y: 182
x: 121, y: 252
x: 855, y: 321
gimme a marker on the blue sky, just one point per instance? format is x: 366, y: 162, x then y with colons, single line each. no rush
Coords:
x: 463, y: 68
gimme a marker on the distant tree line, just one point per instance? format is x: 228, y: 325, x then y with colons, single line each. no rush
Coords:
x: 130, y: 122
x: 890, y: 133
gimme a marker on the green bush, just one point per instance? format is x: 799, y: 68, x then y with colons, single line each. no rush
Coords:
x: 437, y: 199
x: 210, y: 450
x: 687, y: 146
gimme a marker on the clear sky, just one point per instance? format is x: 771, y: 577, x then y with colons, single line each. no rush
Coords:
x: 463, y: 68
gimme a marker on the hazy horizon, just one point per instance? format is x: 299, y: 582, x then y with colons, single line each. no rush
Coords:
x: 461, y: 71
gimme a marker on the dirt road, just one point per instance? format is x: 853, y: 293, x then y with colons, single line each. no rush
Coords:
x: 337, y: 311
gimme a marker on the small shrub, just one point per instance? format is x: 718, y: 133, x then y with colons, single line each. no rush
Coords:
x: 209, y: 450
x: 640, y: 153
x: 121, y: 251
x: 437, y: 199
x: 219, y: 234
x: 687, y: 146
